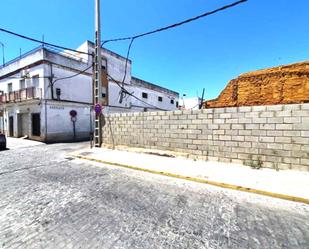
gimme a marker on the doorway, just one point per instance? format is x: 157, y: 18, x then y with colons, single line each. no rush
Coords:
x: 11, y: 126
x: 36, y: 124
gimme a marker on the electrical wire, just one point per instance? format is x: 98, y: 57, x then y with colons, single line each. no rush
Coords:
x: 72, y: 76
x: 132, y: 38
x: 132, y: 95
x: 125, y: 71
x: 41, y: 42
x: 176, y: 24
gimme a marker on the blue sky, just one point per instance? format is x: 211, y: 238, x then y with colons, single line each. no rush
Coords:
x: 207, y: 53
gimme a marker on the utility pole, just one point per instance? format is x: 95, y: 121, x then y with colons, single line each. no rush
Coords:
x: 97, y: 88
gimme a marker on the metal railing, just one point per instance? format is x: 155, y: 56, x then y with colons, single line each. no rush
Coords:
x: 21, y: 95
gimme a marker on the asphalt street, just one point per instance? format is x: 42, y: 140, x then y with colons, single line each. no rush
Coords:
x: 50, y: 200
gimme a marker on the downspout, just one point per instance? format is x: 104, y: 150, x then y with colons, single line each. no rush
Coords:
x: 51, y: 81
x: 45, y: 98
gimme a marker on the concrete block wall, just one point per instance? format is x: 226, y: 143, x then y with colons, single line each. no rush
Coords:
x: 276, y: 136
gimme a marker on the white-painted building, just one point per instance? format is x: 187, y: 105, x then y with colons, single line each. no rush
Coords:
x: 39, y: 89
x: 189, y: 103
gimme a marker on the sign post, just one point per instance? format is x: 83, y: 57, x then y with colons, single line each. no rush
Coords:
x: 73, y: 115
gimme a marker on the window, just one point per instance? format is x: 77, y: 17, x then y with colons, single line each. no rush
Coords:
x: 160, y: 99
x: 177, y: 104
x: 10, y: 87
x: 22, y: 84
x: 145, y: 109
x: 104, y: 64
x: 145, y: 95
x: 172, y: 101
x: 35, y: 81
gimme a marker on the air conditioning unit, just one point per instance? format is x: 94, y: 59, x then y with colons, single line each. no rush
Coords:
x: 25, y: 73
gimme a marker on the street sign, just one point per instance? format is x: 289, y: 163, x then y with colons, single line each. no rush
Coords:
x: 73, y: 113
x: 98, y: 109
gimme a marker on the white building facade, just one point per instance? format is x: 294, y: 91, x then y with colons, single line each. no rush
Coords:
x: 39, y: 90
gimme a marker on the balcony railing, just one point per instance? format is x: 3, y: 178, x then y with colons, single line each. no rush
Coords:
x: 21, y: 95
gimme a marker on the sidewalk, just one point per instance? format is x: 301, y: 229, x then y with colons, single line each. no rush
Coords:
x: 16, y: 143
x: 285, y: 184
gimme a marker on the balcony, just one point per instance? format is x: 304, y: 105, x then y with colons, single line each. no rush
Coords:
x: 21, y: 95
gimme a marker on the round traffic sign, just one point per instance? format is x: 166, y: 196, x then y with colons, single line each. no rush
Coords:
x: 73, y: 113
x: 98, y: 108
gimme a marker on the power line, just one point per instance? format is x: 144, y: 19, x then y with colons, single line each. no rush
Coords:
x: 41, y: 42
x: 72, y: 76
x: 176, y: 24
x: 132, y: 95
x: 126, y: 68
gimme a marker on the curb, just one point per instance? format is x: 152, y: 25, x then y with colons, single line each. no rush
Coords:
x: 199, y: 180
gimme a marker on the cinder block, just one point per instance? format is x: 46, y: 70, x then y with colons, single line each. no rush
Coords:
x: 243, y: 156
x: 218, y: 121
x: 238, y: 149
x: 267, y: 126
x: 232, y: 132
x: 305, y: 133
x: 291, y: 107
x: 245, y: 121
x: 284, y: 113
x: 225, y: 126
x: 273, y: 159
x: 275, y: 120
x: 238, y: 126
x: 291, y: 133
x: 292, y: 120
x: 244, y: 109
x: 196, y: 121
x: 274, y: 108
x: 292, y: 147
x: 251, y: 139
x: 183, y: 117
x: 291, y: 160
x: 284, y: 126
x: 286, y: 140
x: 202, y: 116
x: 245, y: 144
x: 304, y: 161
x: 244, y: 132
x: 238, y: 138
x: 213, y: 126
x: 231, y: 144
x: 238, y: 115
x: 218, y: 132
x: 267, y: 139
x: 275, y: 146
x: 225, y: 138
x: 206, y: 111
x: 259, y: 120
x: 231, y: 109
x: 274, y: 133
x: 252, y: 126
x: 231, y: 121
x: 267, y: 114
x: 258, y: 108
x: 300, y: 140
x: 258, y: 133
x: 305, y: 106
x: 225, y: 115
x: 252, y: 114
x: 301, y: 113
x: 219, y: 110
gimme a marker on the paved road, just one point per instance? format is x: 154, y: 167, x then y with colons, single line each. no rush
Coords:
x: 48, y: 200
